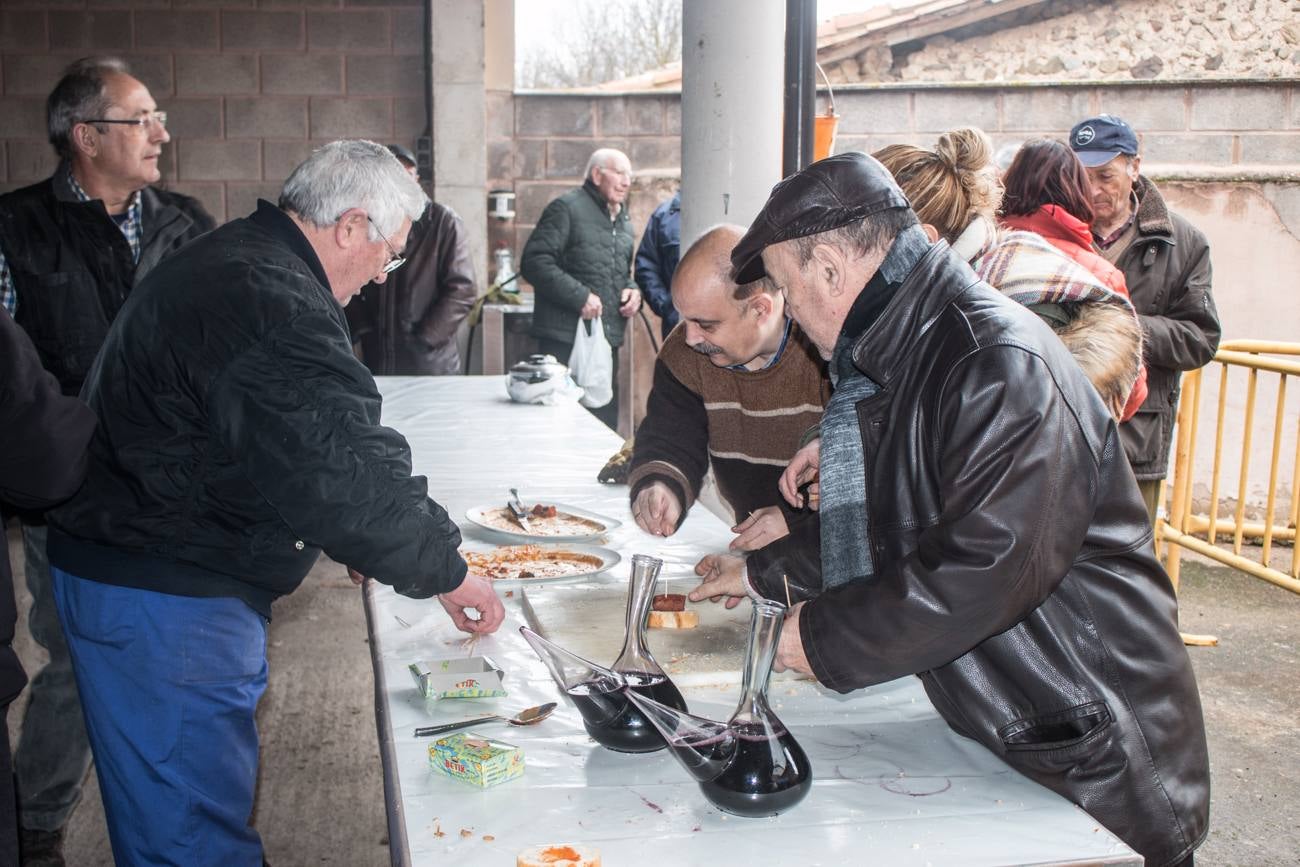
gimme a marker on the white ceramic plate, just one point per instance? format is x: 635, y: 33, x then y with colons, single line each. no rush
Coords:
x: 608, y: 557
x: 485, y: 517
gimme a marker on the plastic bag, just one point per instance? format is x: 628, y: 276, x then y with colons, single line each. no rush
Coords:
x: 592, y: 364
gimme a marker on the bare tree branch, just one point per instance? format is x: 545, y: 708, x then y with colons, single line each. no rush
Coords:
x: 603, y: 41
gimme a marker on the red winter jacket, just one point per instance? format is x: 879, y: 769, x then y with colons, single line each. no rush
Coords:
x: 1071, y: 236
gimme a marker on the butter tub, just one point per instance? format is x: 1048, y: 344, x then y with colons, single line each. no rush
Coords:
x: 475, y: 759
x: 467, y: 677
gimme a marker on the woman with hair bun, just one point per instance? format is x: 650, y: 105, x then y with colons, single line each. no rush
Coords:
x: 955, y: 192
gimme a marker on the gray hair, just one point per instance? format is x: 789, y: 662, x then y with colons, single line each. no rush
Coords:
x: 875, y: 234
x: 353, y: 174
x: 79, y: 95
x: 600, y: 159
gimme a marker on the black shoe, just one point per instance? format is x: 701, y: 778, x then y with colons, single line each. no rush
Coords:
x: 40, y: 848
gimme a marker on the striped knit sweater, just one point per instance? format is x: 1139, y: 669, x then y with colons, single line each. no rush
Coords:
x: 747, y: 424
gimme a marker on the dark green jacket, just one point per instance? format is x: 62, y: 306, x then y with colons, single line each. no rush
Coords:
x: 575, y: 249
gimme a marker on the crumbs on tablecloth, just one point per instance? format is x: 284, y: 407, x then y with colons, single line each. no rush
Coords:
x: 488, y: 838
x: 467, y: 832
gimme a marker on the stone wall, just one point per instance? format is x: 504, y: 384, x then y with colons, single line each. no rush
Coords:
x: 1090, y: 40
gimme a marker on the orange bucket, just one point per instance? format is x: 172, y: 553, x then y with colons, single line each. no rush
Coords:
x: 824, y: 126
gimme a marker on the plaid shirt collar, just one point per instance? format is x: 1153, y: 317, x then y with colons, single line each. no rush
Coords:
x: 132, y: 227
x: 1114, y: 236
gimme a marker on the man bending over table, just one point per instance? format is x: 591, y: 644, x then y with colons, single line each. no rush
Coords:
x: 980, y: 525
x: 735, y: 386
x: 238, y: 438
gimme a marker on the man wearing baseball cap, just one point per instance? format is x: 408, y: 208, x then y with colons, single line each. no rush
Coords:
x: 1166, y: 264
x: 979, y: 527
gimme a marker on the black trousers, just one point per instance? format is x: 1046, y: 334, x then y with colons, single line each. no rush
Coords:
x: 561, y: 350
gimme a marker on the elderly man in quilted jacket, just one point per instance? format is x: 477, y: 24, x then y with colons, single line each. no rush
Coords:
x: 579, y: 261
x: 980, y: 526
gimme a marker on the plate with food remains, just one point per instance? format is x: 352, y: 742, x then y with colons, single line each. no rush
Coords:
x: 540, y: 564
x: 547, y: 522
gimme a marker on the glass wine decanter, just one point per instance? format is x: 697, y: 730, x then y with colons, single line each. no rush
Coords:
x: 599, y: 693
x: 750, y: 765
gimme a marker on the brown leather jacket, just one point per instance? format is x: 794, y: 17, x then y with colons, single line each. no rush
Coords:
x: 407, y: 325
x: 1014, y: 570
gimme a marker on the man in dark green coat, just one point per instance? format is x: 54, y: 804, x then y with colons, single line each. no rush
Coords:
x: 579, y: 261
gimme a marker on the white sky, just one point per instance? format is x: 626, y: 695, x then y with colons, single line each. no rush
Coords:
x: 538, y: 21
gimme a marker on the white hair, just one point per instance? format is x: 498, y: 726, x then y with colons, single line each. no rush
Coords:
x: 601, y: 158
x: 353, y: 174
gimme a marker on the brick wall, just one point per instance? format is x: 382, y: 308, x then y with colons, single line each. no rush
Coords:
x: 251, y: 86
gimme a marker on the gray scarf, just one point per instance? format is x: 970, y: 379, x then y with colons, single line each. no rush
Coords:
x: 846, y: 554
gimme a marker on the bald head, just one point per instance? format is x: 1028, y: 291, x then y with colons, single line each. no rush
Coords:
x: 733, y: 325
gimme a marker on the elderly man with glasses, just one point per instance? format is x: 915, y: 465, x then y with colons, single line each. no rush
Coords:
x: 238, y: 438
x: 71, y: 249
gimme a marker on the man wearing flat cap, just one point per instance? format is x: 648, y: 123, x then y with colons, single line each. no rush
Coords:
x: 1166, y: 264
x: 979, y: 525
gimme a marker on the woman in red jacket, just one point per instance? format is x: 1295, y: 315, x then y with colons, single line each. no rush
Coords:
x: 1046, y: 191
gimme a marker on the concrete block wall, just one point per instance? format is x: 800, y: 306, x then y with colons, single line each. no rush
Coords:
x: 251, y: 86
x: 1197, y: 125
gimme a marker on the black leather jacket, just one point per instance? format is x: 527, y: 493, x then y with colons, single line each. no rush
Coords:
x: 239, y: 436
x: 72, y: 268
x: 1013, y: 564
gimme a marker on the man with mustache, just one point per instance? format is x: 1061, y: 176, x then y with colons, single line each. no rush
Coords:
x: 71, y: 249
x: 736, y: 385
x: 1166, y: 265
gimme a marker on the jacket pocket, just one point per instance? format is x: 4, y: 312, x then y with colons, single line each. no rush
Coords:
x: 62, y: 313
x: 1054, y: 741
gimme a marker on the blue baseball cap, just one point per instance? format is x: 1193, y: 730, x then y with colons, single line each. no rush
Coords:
x: 1098, y: 140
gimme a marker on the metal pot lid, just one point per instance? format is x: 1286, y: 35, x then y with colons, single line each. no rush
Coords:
x: 537, y: 368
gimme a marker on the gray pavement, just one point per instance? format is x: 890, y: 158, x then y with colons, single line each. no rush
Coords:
x: 320, y: 799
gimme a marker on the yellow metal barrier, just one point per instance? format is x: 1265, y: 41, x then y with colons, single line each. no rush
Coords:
x: 1200, y: 532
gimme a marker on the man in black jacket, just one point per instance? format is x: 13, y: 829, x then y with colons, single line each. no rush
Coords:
x: 71, y: 249
x: 980, y: 526
x: 43, y: 436
x: 239, y: 437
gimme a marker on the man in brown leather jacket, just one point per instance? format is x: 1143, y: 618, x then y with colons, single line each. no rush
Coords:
x: 407, y: 326
x: 980, y: 526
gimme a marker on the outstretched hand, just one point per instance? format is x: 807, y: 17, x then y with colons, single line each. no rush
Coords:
x: 478, y: 593
x: 803, y: 468
x: 763, y: 527
x: 723, y: 578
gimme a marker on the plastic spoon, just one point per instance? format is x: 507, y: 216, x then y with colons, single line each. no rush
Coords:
x: 527, y: 717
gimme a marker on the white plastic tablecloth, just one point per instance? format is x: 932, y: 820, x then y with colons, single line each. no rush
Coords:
x: 893, y: 785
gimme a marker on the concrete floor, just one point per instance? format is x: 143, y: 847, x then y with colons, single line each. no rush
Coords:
x: 320, y: 800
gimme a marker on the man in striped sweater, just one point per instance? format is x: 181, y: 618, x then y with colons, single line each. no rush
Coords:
x: 736, y: 385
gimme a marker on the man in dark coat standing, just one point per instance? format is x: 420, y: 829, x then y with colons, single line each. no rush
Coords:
x: 72, y: 247
x: 579, y: 262
x: 406, y: 326
x: 43, y: 436
x: 1166, y: 265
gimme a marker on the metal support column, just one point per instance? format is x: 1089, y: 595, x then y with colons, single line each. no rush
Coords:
x: 731, y: 110
x: 800, y: 84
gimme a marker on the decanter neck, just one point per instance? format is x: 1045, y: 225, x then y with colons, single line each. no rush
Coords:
x: 760, y: 652
x: 636, y: 657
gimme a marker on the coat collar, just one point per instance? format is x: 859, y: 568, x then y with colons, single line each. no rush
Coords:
x: 593, y: 191
x: 936, y: 279
x: 1152, y: 213
x: 278, y: 225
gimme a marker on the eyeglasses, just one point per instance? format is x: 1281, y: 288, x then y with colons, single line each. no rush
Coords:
x: 158, y: 117
x: 396, y: 261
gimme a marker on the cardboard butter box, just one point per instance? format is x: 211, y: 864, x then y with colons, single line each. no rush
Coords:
x: 475, y: 759
x: 467, y: 677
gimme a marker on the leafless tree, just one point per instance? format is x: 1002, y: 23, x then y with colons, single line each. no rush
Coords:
x: 603, y: 40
